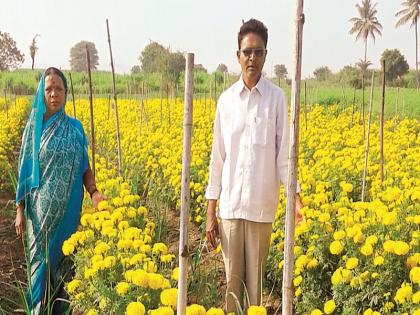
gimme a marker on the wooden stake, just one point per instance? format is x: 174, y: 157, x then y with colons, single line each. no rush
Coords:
x: 304, y: 108
x: 367, y: 139
x: 92, y: 126
x: 381, y: 130
x: 161, y: 95
x: 352, y: 105
x: 362, y: 110
x: 396, y: 108
x: 287, y: 289
x: 185, y: 186
x: 114, y: 92
x: 72, y: 95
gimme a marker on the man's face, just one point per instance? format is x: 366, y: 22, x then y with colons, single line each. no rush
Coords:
x: 251, y: 57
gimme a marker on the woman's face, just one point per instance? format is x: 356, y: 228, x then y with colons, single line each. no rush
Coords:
x: 54, y: 94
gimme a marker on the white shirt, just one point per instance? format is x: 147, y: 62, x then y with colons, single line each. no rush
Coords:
x: 250, y: 151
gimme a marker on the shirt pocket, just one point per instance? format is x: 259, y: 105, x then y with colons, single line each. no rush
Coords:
x: 260, y: 128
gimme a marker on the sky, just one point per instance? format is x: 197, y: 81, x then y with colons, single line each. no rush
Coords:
x: 206, y: 28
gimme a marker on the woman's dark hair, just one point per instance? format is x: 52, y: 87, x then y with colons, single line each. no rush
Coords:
x: 52, y: 70
x: 253, y: 26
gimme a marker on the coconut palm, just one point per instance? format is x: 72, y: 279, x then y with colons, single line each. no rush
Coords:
x: 365, y: 25
x: 410, y: 13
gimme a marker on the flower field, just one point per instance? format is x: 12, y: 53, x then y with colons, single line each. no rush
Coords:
x: 351, y: 257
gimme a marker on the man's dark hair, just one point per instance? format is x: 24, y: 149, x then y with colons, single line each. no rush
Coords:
x: 53, y: 70
x: 253, y: 26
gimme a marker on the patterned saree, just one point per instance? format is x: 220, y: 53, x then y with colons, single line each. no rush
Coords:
x: 53, y: 159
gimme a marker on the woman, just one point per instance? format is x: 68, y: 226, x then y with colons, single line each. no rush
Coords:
x: 53, y: 167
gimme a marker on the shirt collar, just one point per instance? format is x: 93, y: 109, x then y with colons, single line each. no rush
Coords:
x: 260, y: 86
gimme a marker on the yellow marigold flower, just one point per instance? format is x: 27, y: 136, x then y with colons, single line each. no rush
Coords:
x: 379, y: 260
x: 298, y: 292
x: 352, y: 263
x: 163, y: 310
x: 389, y: 246
x: 122, y: 288
x: 215, y: 311
x: 123, y: 225
x: 91, y: 312
x: 109, y: 261
x: 336, y: 247
x: 372, y: 239
x: 416, y: 297
x: 366, y: 250
x: 416, y: 311
x: 339, y: 235
x: 169, y: 297
x: 281, y: 264
x: 156, y: 281
x: 195, y: 309
x: 86, y: 219
x: 73, y: 285
x: 401, y: 248
x: 329, y: 307
x: 312, y: 263
x: 140, y: 278
x: 103, y: 205
x: 175, y: 274
x: 369, y: 311
x: 68, y: 248
x: 297, y: 281
x: 90, y: 273
x: 135, y: 308
x: 160, y: 248
x: 415, y: 275
x: 257, y: 310
x: 316, y: 312
x: 403, y: 294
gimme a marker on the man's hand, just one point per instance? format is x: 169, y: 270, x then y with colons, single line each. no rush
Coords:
x: 97, y: 197
x: 298, y: 211
x: 20, y: 221
x: 212, y: 226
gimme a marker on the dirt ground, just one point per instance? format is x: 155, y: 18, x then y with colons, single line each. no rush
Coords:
x: 12, y: 260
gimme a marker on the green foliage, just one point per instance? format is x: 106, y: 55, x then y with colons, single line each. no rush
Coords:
x: 322, y: 73
x: 78, y: 56
x: 10, y: 55
x: 280, y: 71
x: 350, y: 75
x: 395, y: 64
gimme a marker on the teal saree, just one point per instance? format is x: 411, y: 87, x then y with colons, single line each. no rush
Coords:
x: 52, y: 162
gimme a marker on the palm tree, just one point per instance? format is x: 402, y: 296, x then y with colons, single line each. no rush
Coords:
x: 365, y: 25
x: 410, y: 12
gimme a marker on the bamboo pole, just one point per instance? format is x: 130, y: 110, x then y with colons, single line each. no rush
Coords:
x: 304, y: 108
x: 396, y: 108
x: 381, y: 130
x: 287, y: 289
x: 362, y: 109
x: 117, y: 125
x: 92, y: 125
x: 161, y: 95
x: 344, y: 98
x: 5, y: 103
x: 352, y: 106
x: 72, y: 95
x: 168, y: 105
x: 367, y: 139
x: 185, y: 186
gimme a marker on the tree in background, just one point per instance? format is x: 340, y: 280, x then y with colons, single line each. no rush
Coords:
x: 10, y: 55
x: 411, y: 13
x: 200, y: 68
x: 365, y: 25
x: 78, y: 56
x: 33, y: 48
x: 395, y: 64
x: 135, y: 69
x: 350, y: 75
x: 280, y: 71
x: 155, y: 58
x: 322, y: 73
x: 222, y: 68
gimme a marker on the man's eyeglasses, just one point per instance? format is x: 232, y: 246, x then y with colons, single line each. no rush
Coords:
x: 258, y: 52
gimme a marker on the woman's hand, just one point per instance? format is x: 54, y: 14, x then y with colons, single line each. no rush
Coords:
x: 97, y: 197
x: 20, y: 220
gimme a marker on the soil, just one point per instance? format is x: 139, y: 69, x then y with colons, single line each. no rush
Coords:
x: 12, y: 261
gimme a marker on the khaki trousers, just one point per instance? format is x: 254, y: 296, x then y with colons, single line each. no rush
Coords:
x: 245, y: 247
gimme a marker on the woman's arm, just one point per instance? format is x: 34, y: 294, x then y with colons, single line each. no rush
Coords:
x: 20, y: 218
x: 90, y: 186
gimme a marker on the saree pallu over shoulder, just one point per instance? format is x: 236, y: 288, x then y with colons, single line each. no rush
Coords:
x: 53, y: 208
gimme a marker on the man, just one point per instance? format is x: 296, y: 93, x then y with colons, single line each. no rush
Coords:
x: 249, y: 158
